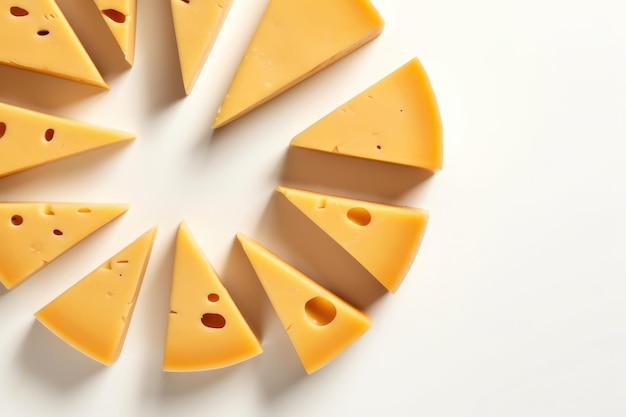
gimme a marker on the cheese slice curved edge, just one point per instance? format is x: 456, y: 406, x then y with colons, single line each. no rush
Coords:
x: 319, y: 324
x: 94, y: 314
x: 121, y: 18
x: 205, y: 328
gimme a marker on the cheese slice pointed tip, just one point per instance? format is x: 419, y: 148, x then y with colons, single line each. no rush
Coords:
x: 94, y: 314
x: 121, y: 18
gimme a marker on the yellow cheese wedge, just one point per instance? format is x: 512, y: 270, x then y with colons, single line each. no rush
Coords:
x: 382, y: 238
x: 294, y: 40
x: 29, y: 139
x: 94, y: 314
x: 319, y: 324
x: 35, y: 234
x: 121, y: 18
x: 35, y: 35
x: 197, y: 25
x: 395, y: 120
x: 205, y: 329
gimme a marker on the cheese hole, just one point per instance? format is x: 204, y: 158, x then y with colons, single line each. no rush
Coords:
x: 359, y: 216
x: 84, y: 210
x: 18, y: 11
x: 213, y: 297
x: 49, y: 135
x: 213, y: 321
x: 17, y: 220
x: 378, y: 147
x: 43, y: 33
x: 114, y: 15
x: 57, y: 232
x: 320, y: 311
x: 185, y: 1
x: 3, y: 129
x: 47, y: 210
x: 321, y: 203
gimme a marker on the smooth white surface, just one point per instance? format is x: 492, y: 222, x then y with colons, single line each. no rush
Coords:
x: 515, y: 305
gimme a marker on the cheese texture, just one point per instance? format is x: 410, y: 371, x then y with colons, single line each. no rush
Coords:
x: 320, y: 325
x: 35, y: 35
x: 35, y: 234
x: 121, y: 18
x: 205, y: 328
x: 197, y: 25
x: 395, y: 120
x: 382, y: 238
x: 94, y: 314
x: 29, y: 139
x: 294, y: 40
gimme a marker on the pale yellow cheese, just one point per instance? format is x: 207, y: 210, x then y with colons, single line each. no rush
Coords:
x: 395, y: 120
x: 383, y: 238
x: 35, y: 234
x: 121, y: 18
x: 319, y: 324
x: 197, y: 24
x: 29, y: 139
x: 205, y: 328
x: 94, y: 314
x: 35, y: 35
x: 294, y: 40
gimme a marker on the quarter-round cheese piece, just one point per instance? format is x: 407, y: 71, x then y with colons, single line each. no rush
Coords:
x: 395, y: 120
x: 320, y: 325
x: 383, y: 238
x: 205, y: 328
x: 197, y: 25
x: 121, y: 18
x: 94, y: 314
x: 35, y: 234
x: 29, y: 139
x: 35, y: 35
x: 294, y: 40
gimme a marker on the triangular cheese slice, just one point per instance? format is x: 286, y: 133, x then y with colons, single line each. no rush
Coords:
x: 197, y: 25
x: 35, y: 234
x: 396, y: 120
x: 29, y: 139
x: 382, y: 238
x: 94, y: 314
x: 205, y: 329
x: 294, y: 40
x: 319, y: 324
x: 121, y: 18
x: 35, y: 35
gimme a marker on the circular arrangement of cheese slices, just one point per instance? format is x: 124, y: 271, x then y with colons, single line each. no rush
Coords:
x: 394, y: 121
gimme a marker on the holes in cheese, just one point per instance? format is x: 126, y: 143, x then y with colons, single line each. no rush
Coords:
x: 294, y: 40
x: 93, y: 315
x: 114, y: 15
x: 396, y: 120
x: 205, y: 329
x: 84, y: 210
x: 387, y: 245
x: 43, y: 32
x: 57, y: 232
x: 121, y: 19
x: 328, y: 326
x: 34, y: 244
x: 18, y: 11
x: 31, y: 141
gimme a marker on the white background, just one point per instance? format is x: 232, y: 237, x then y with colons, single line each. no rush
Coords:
x: 515, y: 305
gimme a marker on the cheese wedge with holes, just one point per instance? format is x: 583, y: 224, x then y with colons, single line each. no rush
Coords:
x: 395, y: 120
x: 35, y: 35
x: 383, y: 238
x: 121, y: 18
x: 35, y: 234
x: 29, y: 139
x: 205, y: 328
x: 197, y: 25
x: 94, y: 314
x: 319, y: 324
x: 294, y: 40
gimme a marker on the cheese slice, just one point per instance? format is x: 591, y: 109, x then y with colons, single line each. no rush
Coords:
x: 94, y: 314
x: 294, y: 40
x: 29, y: 139
x: 205, y: 328
x: 35, y: 234
x: 395, y: 120
x: 35, y: 35
x: 121, y: 18
x: 319, y: 324
x: 197, y: 25
x: 382, y: 238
